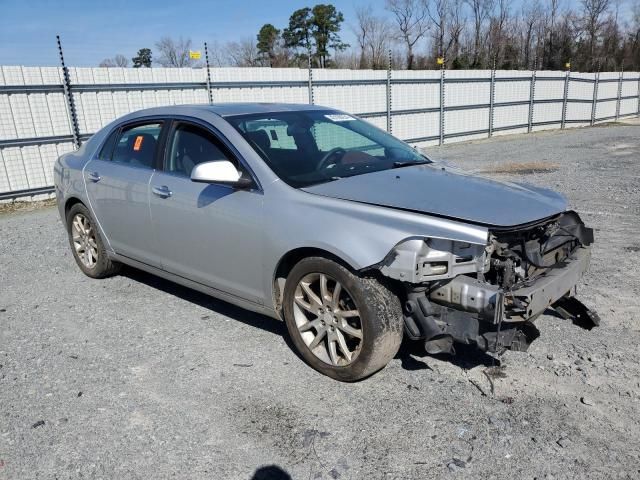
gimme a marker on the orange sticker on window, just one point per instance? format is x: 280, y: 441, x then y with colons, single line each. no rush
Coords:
x: 138, y: 143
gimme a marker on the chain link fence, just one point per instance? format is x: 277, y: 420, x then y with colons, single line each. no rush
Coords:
x: 47, y: 111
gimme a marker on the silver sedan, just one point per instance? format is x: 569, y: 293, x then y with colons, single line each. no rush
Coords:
x: 312, y: 215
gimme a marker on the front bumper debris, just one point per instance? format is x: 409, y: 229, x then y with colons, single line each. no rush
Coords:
x: 467, y: 310
x: 552, y: 286
x: 570, y: 308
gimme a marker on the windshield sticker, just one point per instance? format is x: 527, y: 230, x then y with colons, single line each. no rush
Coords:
x: 339, y: 117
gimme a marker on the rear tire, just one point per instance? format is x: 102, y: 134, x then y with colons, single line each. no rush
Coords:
x: 346, y: 336
x: 87, y: 246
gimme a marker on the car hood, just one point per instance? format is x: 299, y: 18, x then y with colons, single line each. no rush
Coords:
x: 448, y: 193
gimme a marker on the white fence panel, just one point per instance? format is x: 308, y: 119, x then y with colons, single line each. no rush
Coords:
x: 36, y: 126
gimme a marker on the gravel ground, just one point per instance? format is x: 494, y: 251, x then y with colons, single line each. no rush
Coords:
x: 134, y: 377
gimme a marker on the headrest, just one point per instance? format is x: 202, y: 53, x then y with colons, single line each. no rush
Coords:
x: 140, y: 142
x: 260, y: 138
x: 297, y: 129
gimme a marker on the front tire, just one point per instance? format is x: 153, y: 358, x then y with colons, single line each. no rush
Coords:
x: 87, y: 246
x: 346, y: 327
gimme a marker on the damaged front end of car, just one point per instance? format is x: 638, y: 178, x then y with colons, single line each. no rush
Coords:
x: 489, y: 295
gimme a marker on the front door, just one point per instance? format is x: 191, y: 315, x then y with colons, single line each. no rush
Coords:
x: 117, y: 183
x: 208, y: 233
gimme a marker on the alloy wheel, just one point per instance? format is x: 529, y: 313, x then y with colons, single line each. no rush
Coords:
x: 84, y: 240
x: 328, y: 319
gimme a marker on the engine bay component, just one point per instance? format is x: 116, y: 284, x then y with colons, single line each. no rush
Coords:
x: 520, y: 274
x: 468, y: 294
x: 520, y: 255
x: 419, y: 260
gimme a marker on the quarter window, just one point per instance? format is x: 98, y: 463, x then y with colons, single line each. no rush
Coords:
x: 191, y: 145
x: 107, y: 148
x: 137, y: 145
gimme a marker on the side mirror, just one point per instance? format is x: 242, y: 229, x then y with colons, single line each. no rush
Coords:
x: 219, y: 171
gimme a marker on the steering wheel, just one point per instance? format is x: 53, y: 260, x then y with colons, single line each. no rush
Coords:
x: 324, y: 161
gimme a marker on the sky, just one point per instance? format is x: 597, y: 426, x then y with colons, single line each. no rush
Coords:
x: 92, y: 30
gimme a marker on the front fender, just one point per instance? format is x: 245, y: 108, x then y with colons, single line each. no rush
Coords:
x: 361, y: 235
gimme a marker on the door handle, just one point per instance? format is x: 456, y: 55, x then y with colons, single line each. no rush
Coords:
x: 162, y: 192
x: 94, y: 176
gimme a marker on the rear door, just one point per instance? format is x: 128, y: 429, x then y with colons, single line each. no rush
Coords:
x: 117, y: 182
x: 208, y: 233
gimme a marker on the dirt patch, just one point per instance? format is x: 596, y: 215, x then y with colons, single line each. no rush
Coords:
x: 525, y: 168
x: 26, y: 206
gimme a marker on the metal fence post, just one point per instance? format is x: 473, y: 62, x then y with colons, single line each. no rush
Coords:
x: 619, y: 93
x: 442, y: 99
x: 492, y: 95
x: 310, y: 80
x: 638, y: 96
x: 206, y: 57
x: 595, y: 97
x: 566, y: 97
x: 66, y: 85
x: 389, y: 126
x: 532, y: 94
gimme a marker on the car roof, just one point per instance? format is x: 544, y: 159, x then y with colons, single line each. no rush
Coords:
x: 229, y: 109
x: 226, y: 109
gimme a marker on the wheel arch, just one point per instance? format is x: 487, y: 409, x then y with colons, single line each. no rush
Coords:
x: 69, y: 203
x: 289, y: 260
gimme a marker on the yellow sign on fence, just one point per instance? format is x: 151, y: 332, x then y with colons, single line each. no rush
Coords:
x: 440, y: 61
x: 194, y: 55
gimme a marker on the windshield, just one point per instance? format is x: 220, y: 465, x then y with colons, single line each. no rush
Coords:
x: 308, y: 147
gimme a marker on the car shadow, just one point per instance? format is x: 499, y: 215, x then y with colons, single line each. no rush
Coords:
x: 257, y: 320
x: 410, y: 354
x: 253, y: 319
x: 270, y: 472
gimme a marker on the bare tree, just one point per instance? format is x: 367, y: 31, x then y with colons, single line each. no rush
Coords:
x: 412, y: 19
x: 532, y: 16
x: 448, y: 22
x: 121, y: 61
x: 498, y: 25
x: 347, y: 59
x: 480, y: 10
x: 174, y: 53
x: 117, y: 61
x: 439, y: 14
x: 457, y: 23
x: 633, y: 45
x: 243, y: 53
x: 373, y: 34
x: 362, y: 32
x: 379, y: 42
x: 554, y: 7
x: 592, y: 19
x: 217, y: 58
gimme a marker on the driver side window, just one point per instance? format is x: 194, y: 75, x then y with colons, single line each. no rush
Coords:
x: 191, y: 145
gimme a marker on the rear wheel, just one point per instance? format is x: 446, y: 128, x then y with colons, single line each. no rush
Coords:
x: 344, y: 326
x: 86, y: 244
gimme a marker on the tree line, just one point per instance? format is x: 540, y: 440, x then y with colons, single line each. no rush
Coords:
x: 464, y: 34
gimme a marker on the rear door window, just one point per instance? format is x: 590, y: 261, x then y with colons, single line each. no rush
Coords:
x: 137, y: 145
